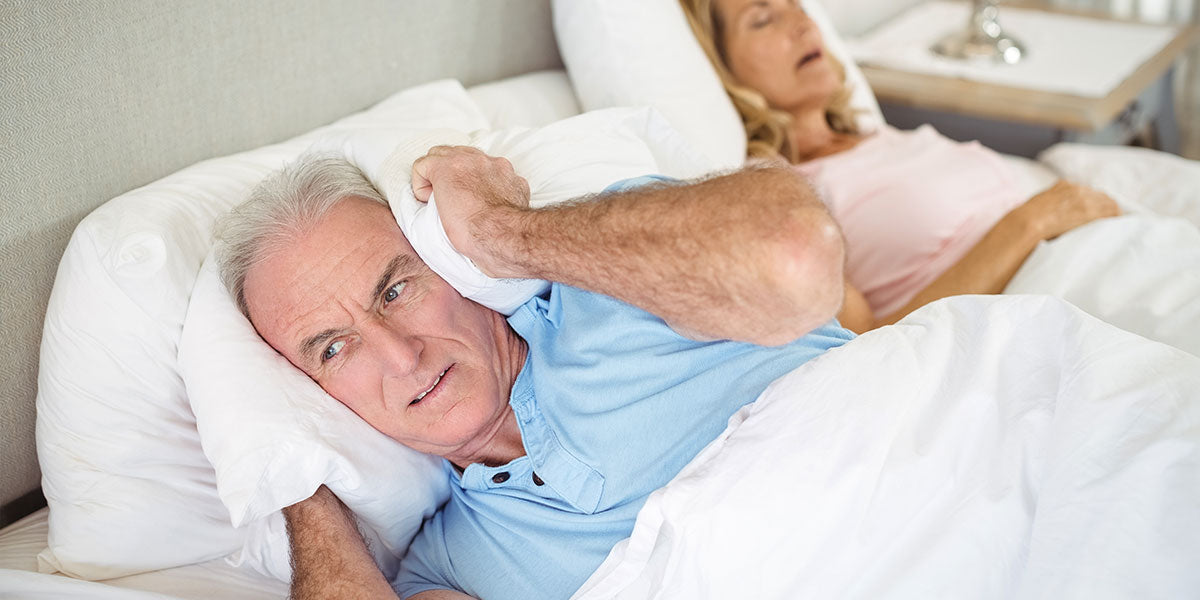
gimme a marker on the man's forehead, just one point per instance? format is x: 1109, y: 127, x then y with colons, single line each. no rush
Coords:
x: 313, y: 337
x: 344, y: 261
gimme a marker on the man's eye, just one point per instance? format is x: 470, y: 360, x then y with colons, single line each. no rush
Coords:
x: 394, y: 292
x: 332, y: 350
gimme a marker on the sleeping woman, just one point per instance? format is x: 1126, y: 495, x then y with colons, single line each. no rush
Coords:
x: 924, y: 217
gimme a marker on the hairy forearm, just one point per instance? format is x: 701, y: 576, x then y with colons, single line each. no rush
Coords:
x: 329, y: 557
x: 752, y: 255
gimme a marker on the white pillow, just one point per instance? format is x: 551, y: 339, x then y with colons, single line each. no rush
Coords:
x: 128, y: 486
x: 642, y: 52
x: 273, y: 435
x: 1139, y: 179
x: 530, y: 100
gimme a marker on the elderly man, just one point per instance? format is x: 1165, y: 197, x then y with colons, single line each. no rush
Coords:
x: 557, y: 422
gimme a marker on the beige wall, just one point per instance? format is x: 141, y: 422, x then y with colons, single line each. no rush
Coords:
x: 100, y: 96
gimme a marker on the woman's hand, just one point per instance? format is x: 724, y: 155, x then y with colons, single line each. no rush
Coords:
x: 1064, y: 207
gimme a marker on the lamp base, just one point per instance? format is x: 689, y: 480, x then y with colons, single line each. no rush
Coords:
x: 963, y: 46
x: 983, y: 39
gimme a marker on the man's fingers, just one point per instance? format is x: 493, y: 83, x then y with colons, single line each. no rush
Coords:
x: 427, y: 168
x: 422, y: 185
x: 452, y: 150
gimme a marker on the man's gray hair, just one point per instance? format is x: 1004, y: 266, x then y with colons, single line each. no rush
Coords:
x: 282, y: 207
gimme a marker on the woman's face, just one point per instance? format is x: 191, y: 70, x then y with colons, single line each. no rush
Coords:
x: 773, y: 47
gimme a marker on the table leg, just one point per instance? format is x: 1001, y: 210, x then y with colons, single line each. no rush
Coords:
x: 1166, y: 123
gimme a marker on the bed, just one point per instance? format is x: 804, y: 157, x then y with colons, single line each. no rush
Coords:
x: 156, y: 489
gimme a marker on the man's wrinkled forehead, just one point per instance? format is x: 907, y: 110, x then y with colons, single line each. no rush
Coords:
x: 347, y: 259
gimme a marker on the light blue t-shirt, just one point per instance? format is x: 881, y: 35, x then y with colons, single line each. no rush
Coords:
x: 611, y: 404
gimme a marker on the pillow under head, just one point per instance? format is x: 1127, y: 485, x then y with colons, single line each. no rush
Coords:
x: 128, y: 486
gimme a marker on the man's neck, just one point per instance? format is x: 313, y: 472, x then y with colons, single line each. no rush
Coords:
x: 502, y: 444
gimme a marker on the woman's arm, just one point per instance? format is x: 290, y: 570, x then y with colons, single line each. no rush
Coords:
x: 856, y: 314
x: 990, y: 264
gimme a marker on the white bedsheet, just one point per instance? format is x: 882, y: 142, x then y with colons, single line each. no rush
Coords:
x: 985, y: 447
x: 1140, y: 272
x: 19, y: 579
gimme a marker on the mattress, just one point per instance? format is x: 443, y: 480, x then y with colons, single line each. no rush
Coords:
x: 21, y: 542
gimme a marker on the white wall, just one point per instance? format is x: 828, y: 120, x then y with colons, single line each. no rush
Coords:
x: 855, y: 17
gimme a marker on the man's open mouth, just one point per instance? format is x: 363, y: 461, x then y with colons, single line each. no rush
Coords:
x: 432, y: 387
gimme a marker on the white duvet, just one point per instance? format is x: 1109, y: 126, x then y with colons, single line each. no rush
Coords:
x: 1140, y: 271
x: 986, y: 447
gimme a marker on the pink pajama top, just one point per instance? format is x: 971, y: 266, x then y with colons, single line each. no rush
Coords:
x: 911, y: 204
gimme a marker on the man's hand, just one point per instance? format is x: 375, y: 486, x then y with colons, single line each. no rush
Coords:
x: 478, y: 197
x: 329, y: 557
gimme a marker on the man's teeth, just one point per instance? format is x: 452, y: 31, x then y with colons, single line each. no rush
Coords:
x: 437, y: 381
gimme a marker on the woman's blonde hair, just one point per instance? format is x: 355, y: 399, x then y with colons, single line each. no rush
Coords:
x: 766, y: 127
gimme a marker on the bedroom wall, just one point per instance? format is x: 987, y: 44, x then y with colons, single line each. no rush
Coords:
x: 98, y: 97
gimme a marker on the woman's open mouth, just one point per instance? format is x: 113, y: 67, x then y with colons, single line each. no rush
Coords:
x: 808, y: 58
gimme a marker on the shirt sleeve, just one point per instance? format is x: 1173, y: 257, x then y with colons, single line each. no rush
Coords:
x: 426, y: 566
x: 625, y: 185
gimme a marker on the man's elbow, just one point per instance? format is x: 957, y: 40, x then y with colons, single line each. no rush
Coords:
x: 807, y: 276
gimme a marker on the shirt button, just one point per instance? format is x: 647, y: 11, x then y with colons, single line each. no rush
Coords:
x: 500, y: 477
x: 538, y: 480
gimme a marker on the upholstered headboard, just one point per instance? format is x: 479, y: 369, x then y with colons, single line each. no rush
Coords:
x: 100, y: 97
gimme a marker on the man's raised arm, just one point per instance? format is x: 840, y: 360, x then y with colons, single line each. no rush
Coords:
x: 750, y: 256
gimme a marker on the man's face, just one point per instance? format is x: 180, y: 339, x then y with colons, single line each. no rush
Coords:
x: 351, y: 304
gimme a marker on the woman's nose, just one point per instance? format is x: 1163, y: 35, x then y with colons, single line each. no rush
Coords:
x: 800, y: 23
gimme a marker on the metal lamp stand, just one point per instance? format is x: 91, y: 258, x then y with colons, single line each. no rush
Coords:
x: 983, y: 39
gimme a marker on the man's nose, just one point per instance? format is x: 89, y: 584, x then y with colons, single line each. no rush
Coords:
x: 397, y: 350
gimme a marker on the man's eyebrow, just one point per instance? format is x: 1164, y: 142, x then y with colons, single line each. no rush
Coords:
x: 401, y: 263
x: 312, y: 342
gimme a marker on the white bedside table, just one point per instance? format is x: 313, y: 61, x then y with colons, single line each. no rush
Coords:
x: 1063, y: 91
